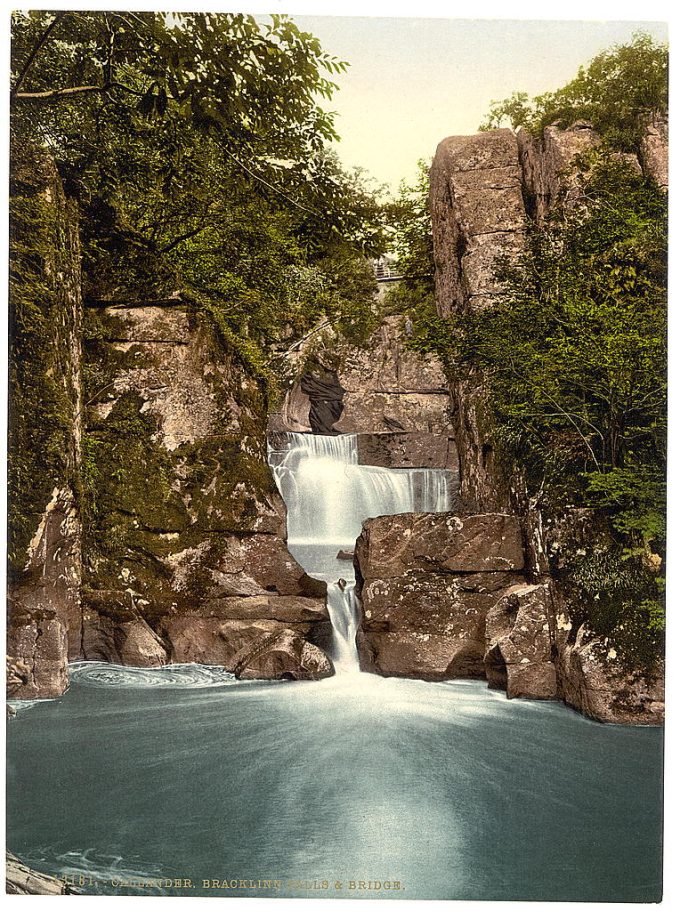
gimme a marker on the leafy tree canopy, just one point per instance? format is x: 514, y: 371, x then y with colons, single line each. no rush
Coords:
x: 611, y: 92
x: 255, y: 85
x: 198, y: 151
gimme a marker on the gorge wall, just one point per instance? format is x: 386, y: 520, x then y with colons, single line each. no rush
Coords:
x: 146, y: 525
x: 396, y: 400
x: 45, y: 429
x: 484, y: 188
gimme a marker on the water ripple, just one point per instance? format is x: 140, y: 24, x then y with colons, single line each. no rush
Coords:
x: 102, y: 674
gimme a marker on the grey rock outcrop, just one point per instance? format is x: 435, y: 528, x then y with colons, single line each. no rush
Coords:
x: 519, y: 643
x: 22, y: 880
x: 483, y: 190
x: 188, y: 560
x: 547, y: 175
x: 478, y: 212
x: 593, y: 681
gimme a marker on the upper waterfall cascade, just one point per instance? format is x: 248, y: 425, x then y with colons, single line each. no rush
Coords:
x: 328, y: 496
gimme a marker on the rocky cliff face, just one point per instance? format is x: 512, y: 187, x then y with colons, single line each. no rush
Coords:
x: 381, y: 387
x: 155, y: 533
x: 44, y: 621
x: 184, y: 554
x: 483, y: 190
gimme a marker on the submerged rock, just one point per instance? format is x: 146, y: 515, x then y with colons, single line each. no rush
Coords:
x: 283, y: 654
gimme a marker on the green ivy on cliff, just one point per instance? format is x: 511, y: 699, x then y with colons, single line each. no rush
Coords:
x: 41, y: 403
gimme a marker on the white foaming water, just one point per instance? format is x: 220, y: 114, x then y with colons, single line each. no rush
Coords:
x: 328, y: 496
x: 345, y: 613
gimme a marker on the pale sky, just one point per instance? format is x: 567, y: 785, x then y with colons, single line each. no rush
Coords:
x: 412, y: 82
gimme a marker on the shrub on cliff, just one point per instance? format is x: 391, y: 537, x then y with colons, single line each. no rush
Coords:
x: 574, y: 353
x: 611, y: 92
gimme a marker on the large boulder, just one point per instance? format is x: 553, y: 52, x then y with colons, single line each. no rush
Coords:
x: 428, y: 624
x: 594, y: 681
x: 427, y: 582
x: 439, y: 542
x: 37, y: 656
x: 222, y: 632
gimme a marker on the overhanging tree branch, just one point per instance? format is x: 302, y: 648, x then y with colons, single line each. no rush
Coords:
x: 51, y: 94
x: 34, y: 53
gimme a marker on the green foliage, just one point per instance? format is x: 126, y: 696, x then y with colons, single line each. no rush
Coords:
x: 414, y: 297
x: 575, y: 353
x: 197, y: 150
x: 611, y: 92
x: 256, y: 86
x: 580, y: 387
x: 622, y: 602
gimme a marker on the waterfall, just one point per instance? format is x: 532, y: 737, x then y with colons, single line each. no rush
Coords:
x: 328, y: 496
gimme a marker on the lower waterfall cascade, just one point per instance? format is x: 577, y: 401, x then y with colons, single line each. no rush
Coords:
x: 328, y: 495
